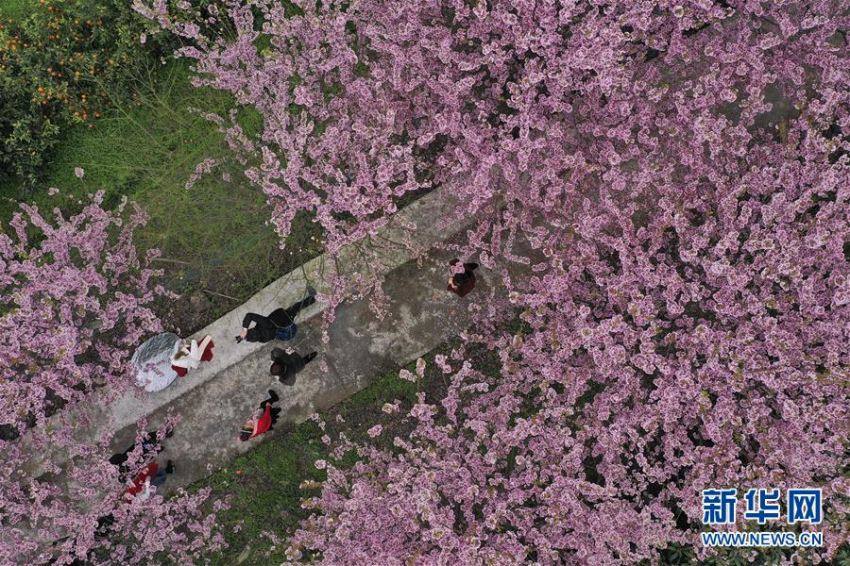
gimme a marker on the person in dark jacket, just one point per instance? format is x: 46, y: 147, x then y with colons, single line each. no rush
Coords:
x: 462, y: 283
x: 285, y: 365
x: 149, y: 445
x: 263, y: 419
x: 267, y: 328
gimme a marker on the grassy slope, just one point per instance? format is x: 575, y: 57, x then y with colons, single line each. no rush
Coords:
x: 214, y: 236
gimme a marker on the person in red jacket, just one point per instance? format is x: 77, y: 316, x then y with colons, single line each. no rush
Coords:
x: 263, y: 420
x: 149, y: 475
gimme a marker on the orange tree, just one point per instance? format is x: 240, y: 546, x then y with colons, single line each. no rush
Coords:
x: 62, y: 64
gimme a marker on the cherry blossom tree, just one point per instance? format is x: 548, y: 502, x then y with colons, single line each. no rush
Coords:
x: 662, y: 187
x: 77, y: 300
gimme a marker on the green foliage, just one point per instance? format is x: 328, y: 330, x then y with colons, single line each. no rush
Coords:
x: 62, y: 62
x: 842, y: 558
x: 291, y: 9
x: 266, y: 489
x: 16, y: 9
x: 214, y: 237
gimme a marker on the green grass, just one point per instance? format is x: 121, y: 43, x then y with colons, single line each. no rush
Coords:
x: 215, y: 237
x: 15, y: 9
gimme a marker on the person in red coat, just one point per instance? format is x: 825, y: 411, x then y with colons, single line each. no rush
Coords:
x: 142, y: 479
x: 263, y: 420
x: 147, y: 476
x: 462, y: 283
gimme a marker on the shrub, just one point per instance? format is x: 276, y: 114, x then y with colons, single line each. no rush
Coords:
x: 63, y: 64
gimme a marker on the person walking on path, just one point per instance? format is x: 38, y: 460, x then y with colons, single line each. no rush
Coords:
x: 280, y: 324
x: 285, y: 365
x: 462, y: 283
x: 189, y: 356
x: 263, y: 420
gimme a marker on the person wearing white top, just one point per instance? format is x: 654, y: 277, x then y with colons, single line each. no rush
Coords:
x: 146, y: 491
x: 189, y: 356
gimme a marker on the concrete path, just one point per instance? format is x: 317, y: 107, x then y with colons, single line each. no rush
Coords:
x: 361, y: 349
x: 410, y: 233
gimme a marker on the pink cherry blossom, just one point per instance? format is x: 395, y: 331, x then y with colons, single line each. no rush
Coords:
x: 659, y: 193
x: 78, y: 299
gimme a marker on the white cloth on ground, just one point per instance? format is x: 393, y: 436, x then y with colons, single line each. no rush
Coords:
x: 152, y: 362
